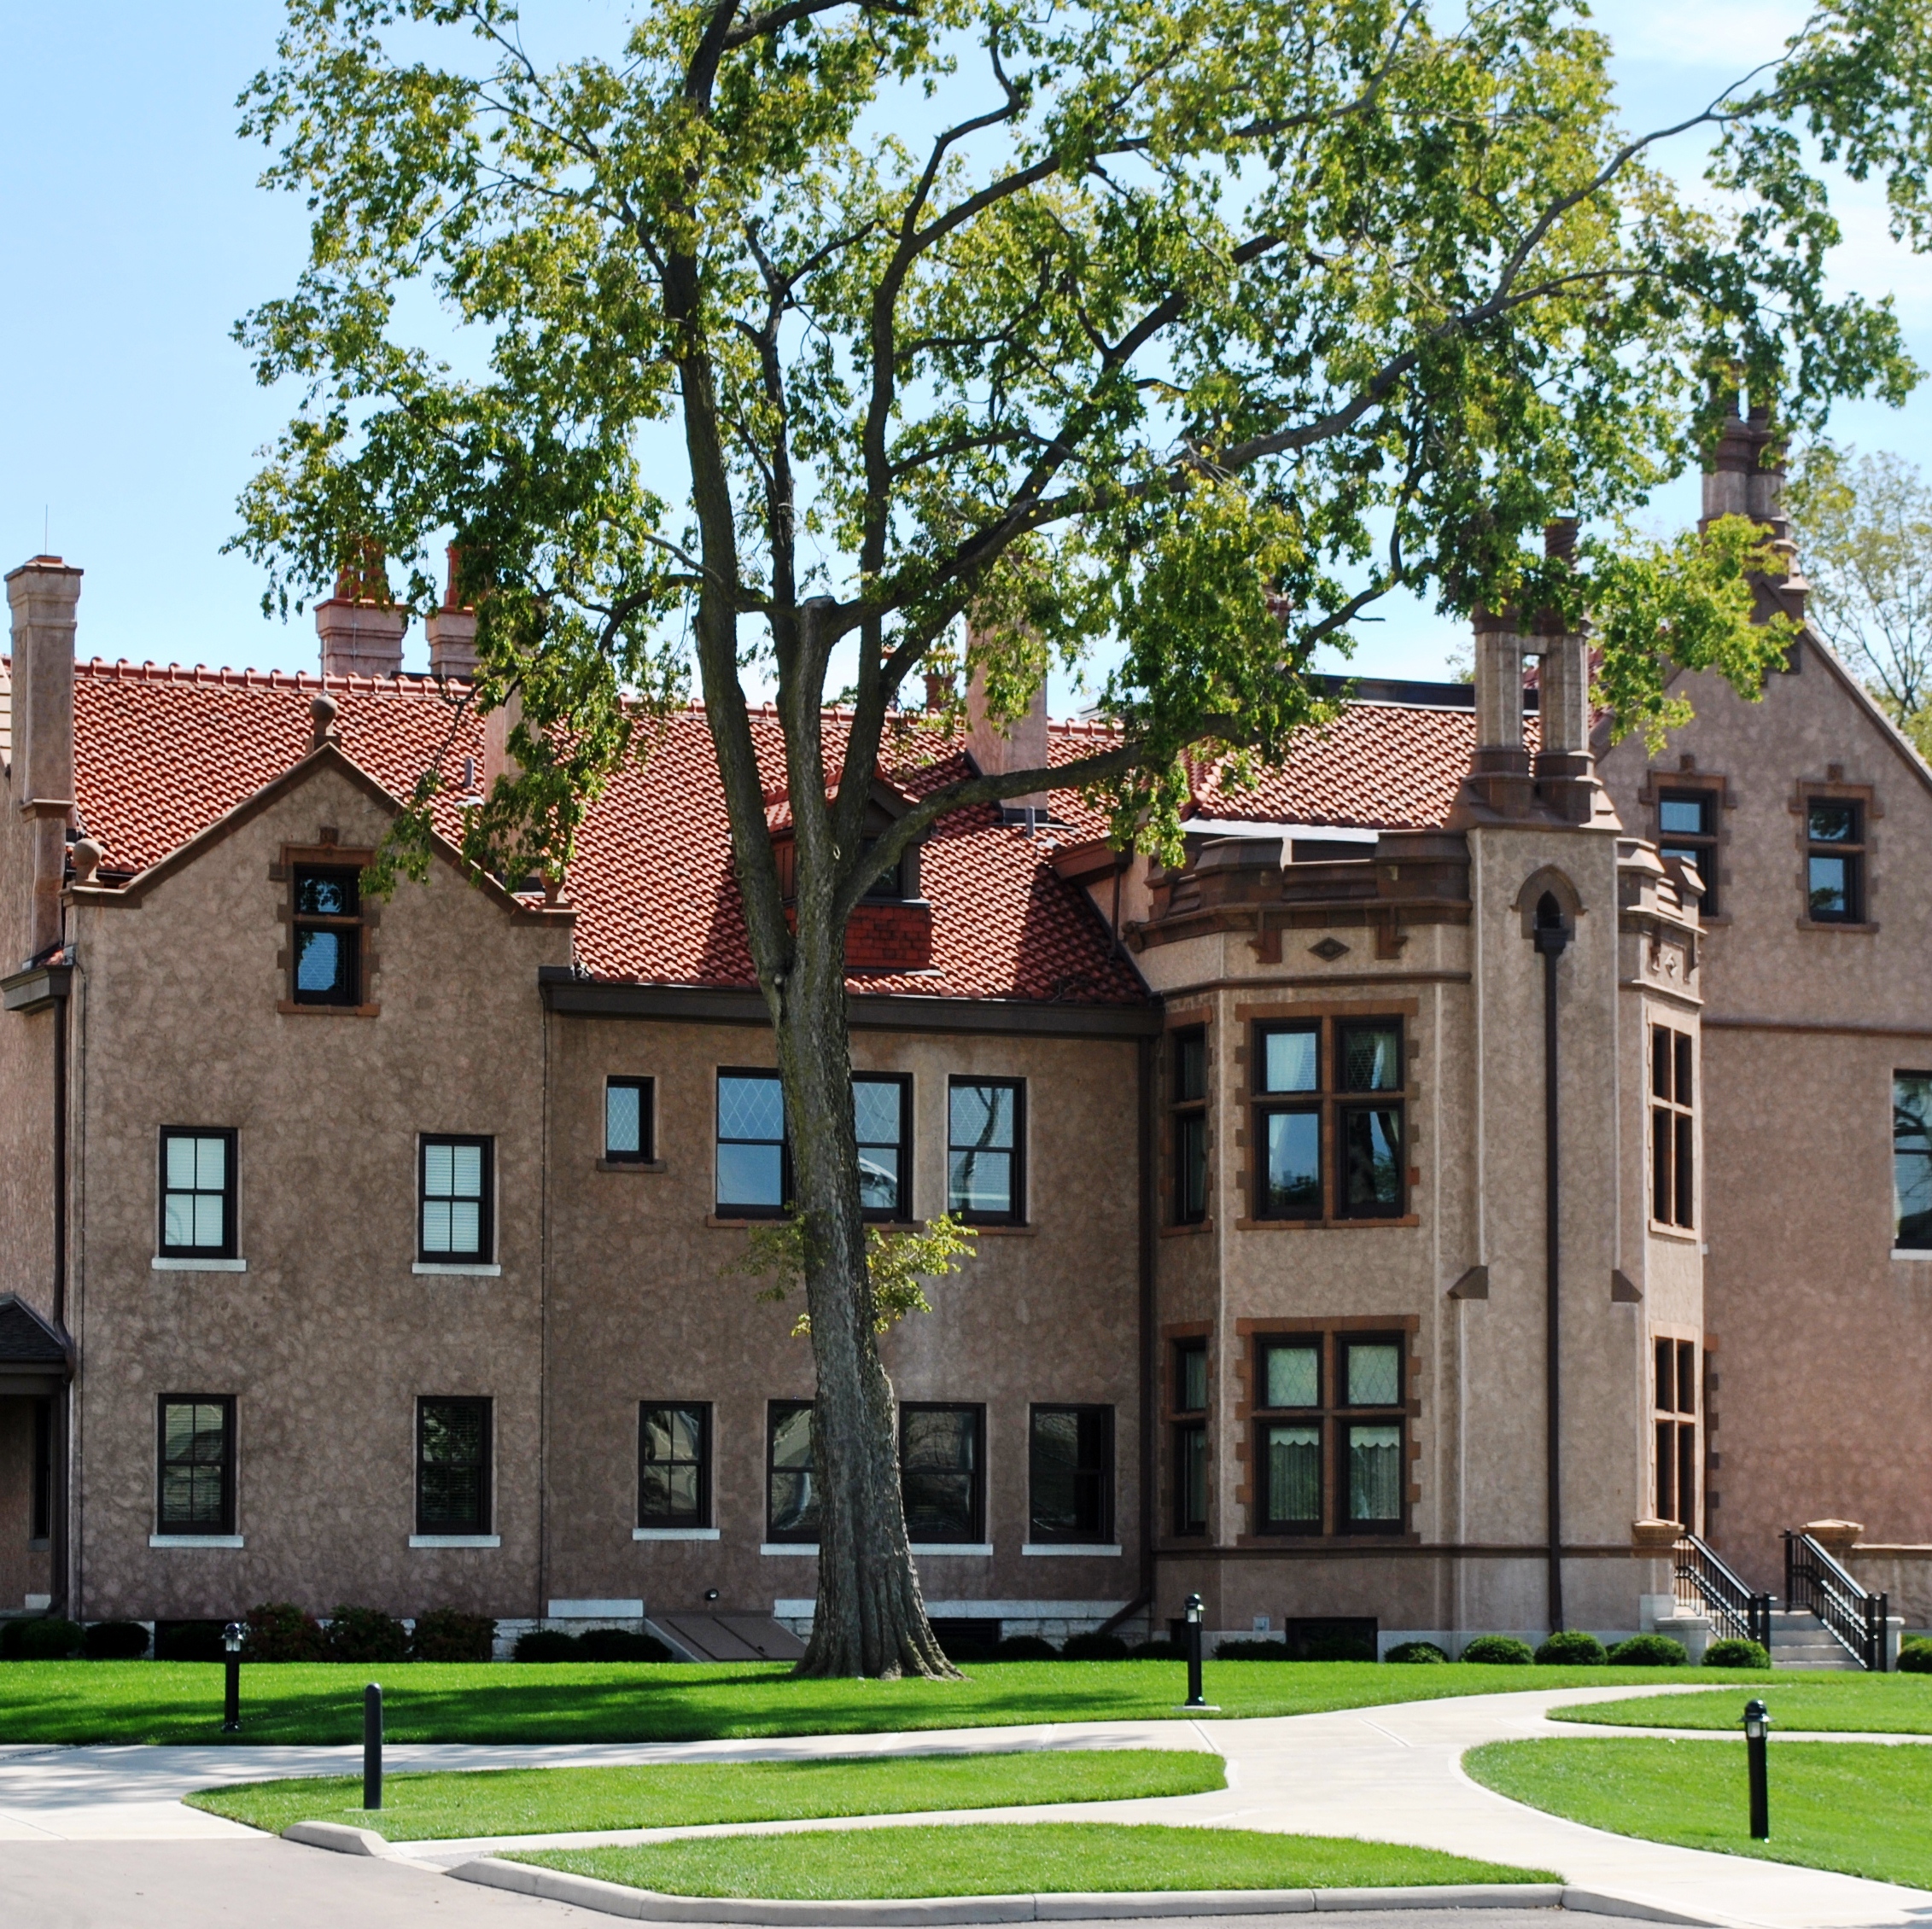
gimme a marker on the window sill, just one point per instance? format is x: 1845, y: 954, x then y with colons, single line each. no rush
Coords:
x: 631, y: 1165
x: 456, y: 1540
x: 1681, y: 1235
x: 806, y: 1547
x: 595, y: 1610
x: 999, y: 1229
x: 1325, y: 1224
x: 974, y: 1550
x: 674, y: 1533
x: 1831, y: 925
x: 722, y: 1221
x: 1070, y: 1548
x: 289, y: 1009
x: 194, y: 1540
x: 1192, y: 1228
x: 1917, y: 1254
x: 460, y: 1271
x: 159, y: 1265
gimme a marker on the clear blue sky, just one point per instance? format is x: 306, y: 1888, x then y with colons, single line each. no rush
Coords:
x: 134, y: 235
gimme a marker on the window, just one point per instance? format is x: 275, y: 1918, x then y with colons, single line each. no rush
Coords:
x: 197, y: 1464
x: 940, y: 1464
x: 985, y: 1180
x: 454, y: 1189
x: 754, y: 1167
x: 1325, y: 1401
x: 1677, y: 1431
x: 1189, y: 1125
x: 452, y: 1466
x: 791, y: 1479
x: 40, y: 1527
x: 1188, y: 1397
x: 1674, y: 1195
x: 1834, y: 861
x: 197, y: 1193
x: 1329, y: 1120
x: 1071, y: 1475
x: 673, y: 1466
x: 881, y: 1120
x: 1687, y: 829
x: 630, y: 1121
x: 328, y: 949
x: 1911, y: 1161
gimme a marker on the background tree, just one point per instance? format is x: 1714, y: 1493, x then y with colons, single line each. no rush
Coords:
x: 782, y: 337
x: 1864, y: 538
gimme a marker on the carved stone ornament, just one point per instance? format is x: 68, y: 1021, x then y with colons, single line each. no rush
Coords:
x: 1329, y: 950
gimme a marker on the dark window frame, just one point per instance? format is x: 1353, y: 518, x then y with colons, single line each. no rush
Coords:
x: 1853, y: 850
x: 1188, y: 1432
x: 901, y: 1208
x: 1334, y: 1104
x: 480, y: 1522
x: 1332, y: 1416
x: 1102, y: 1474
x: 1673, y: 1129
x: 776, y: 1411
x: 349, y: 927
x: 40, y: 1521
x: 1015, y: 1214
x: 1908, y: 1124
x: 701, y: 1515
x: 485, y: 1254
x: 1677, y: 1370
x: 224, y: 1523
x: 734, y: 1209
x: 231, y: 1192
x: 1189, y: 1185
x: 1266, y: 1415
x: 1700, y: 846
x: 646, y: 1090
x: 975, y: 1534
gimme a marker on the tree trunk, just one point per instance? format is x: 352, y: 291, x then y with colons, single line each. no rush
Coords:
x: 870, y: 1619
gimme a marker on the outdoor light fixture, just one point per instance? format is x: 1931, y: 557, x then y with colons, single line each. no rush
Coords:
x: 710, y: 1594
x: 1757, y: 1733
x: 231, y: 1638
x: 1195, y: 1698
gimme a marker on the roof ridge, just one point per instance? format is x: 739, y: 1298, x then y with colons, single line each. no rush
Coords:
x: 126, y: 669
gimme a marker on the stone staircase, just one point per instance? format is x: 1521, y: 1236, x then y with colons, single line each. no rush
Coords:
x: 1799, y: 1640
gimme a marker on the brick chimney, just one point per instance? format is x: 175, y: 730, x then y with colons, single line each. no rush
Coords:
x: 1747, y: 478
x: 361, y: 629
x: 996, y: 747
x: 452, y: 629
x: 42, y: 595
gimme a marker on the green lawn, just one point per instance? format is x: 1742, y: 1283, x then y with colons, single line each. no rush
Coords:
x: 418, y: 1808
x: 1856, y: 1807
x: 164, y: 1701
x: 1017, y: 1858
x: 1872, y: 1704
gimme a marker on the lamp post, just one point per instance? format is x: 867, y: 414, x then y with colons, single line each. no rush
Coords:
x: 1195, y: 1698
x: 232, y: 1698
x: 372, y: 1746
x: 1757, y: 1729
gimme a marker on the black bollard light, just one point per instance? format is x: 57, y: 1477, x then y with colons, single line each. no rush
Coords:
x: 231, y: 1637
x: 1757, y: 1731
x: 1195, y: 1698
x: 372, y: 1746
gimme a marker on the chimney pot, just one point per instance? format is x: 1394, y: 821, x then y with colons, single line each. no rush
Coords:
x: 1015, y: 743
x: 361, y: 627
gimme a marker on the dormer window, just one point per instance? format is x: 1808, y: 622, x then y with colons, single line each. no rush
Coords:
x: 328, y: 930
x: 891, y: 883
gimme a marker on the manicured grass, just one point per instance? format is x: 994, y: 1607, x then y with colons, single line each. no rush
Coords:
x: 1018, y: 1859
x: 1849, y: 1703
x: 165, y: 1701
x: 418, y: 1808
x: 1856, y: 1807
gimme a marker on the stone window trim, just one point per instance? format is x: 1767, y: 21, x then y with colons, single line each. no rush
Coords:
x: 1716, y: 787
x: 327, y: 851
x: 1251, y: 1333
x: 1326, y: 1015
x: 1833, y: 789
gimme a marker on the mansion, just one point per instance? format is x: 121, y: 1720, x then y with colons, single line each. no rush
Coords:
x: 1492, y: 1152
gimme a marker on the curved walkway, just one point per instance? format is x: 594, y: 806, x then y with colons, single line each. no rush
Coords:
x: 1391, y: 1774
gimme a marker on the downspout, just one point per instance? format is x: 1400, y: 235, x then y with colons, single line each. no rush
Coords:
x: 1149, y: 1373
x: 1551, y: 938
x: 58, y: 1537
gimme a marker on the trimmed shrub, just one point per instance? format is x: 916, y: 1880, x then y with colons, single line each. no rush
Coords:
x: 621, y: 1644
x: 1163, y: 1649
x: 546, y: 1644
x: 188, y: 1640
x: 1736, y: 1654
x: 1025, y: 1647
x: 1251, y: 1650
x: 115, y: 1640
x: 1336, y: 1647
x: 278, y: 1630
x: 1094, y: 1647
x: 446, y: 1634
x: 1915, y: 1656
x: 366, y: 1635
x: 46, y: 1637
x: 1571, y: 1648
x: 1499, y: 1651
x: 1650, y: 1651
x: 1425, y: 1651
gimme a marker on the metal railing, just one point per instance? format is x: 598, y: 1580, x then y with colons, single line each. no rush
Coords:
x: 1704, y: 1585
x: 1814, y: 1581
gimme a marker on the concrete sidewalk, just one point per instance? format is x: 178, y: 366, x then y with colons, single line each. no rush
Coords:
x: 1389, y: 1774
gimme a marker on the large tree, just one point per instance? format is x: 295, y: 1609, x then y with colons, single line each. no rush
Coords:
x: 780, y: 341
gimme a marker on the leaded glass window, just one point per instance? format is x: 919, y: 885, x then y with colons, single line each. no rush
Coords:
x: 984, y: 1179
x: 880, y: 1114
x: 754, y: 1180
